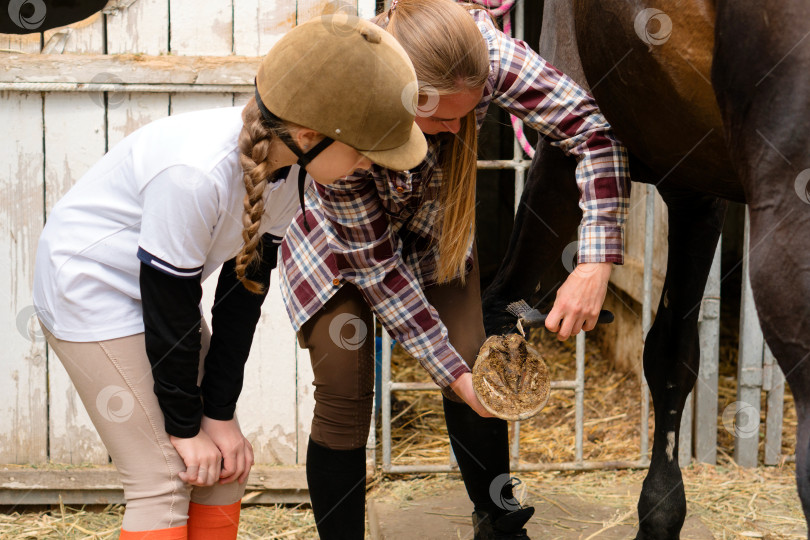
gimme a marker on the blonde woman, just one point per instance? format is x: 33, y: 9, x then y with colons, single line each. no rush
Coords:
x: 121, y: 259
x: 401, y: 246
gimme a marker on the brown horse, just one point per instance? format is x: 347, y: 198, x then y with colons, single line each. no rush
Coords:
x: 712, y: 98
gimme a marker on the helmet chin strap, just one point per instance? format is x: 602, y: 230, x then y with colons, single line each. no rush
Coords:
x: 304, y: 158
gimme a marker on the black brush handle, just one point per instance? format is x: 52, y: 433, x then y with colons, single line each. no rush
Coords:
x: 534, y: 319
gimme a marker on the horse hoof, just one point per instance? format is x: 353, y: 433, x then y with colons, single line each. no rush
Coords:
x: 510, y: 378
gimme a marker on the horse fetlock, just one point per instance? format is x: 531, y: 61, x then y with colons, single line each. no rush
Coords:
x: 661, y: 509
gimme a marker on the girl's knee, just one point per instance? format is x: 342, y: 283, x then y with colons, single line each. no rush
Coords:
x: 218, y: 494
x: 152, y: 507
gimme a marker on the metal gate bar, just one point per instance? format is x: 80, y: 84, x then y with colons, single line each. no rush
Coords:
x: 705, y: 401
x: 646, y: 314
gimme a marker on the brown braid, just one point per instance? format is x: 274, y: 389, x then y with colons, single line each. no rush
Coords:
x: 254, y: 147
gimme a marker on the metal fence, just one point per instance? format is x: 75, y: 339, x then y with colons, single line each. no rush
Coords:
x: 757, y: 372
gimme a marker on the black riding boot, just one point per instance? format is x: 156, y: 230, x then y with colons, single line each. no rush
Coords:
x: 507, y: 527
x: 337, y: 488
x: 481, y: 447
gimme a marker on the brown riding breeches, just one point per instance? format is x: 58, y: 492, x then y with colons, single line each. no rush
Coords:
x: 340, y: 340
x: 114, y: 381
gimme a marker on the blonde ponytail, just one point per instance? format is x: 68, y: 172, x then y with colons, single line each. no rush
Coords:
x: 457, y: 200
x: 449, y: 55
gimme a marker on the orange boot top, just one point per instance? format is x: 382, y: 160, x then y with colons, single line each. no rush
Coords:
x: 209, y: 522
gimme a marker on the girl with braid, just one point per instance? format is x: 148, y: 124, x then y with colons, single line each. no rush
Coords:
x: 121, y: 259
x: 401, y: 245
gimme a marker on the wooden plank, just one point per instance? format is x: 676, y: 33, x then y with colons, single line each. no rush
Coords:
x: 106, y: 477
x: 371, y: 442
x: 142, y: 27
x: 629, y: 276
x: 23, y: 385
x: 267, y: 405
x: 241, y: 99
x: 661, y: 244
x: 685, y: 433
x: 749, y: 372
x: 128, y: 68
x: 307, y: 9
x: 129, y: 111
x: 706, y: 386
x: 181, y: 103
x: 259, y: 24
x: 74, y: 141
x: 83, y: 36
x: 775, y: 403
x: 366, y: 9
x: 24, y: 43
x: 76, y: 497
x: 270, y: 404
x: 201, y: 28
x: 73, y: 497
x: 102, y: 485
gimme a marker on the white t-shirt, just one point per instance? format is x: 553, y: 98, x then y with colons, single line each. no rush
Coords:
x: 171, y: 195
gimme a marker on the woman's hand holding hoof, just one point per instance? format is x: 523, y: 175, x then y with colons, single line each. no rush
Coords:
x: 463, y: 388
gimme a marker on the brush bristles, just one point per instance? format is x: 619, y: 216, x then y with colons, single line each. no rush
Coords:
x: 518, y: 308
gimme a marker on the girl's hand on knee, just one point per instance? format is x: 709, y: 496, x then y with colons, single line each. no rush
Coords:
x: 237, y: 452
x: 202, y: 458
x: 464, y: 389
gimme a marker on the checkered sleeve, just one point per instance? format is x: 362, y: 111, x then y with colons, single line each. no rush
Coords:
x: 552, y: 103
x: 369, y: 254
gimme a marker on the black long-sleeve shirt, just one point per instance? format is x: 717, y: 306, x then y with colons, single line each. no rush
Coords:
x: 172, y: 326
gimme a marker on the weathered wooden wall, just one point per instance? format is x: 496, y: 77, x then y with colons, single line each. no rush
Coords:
x: 51, y: 138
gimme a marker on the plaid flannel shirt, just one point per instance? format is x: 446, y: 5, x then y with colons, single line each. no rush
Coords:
x: 376, y: 229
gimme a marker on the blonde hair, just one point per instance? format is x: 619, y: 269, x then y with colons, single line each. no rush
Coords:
x: 449, y: 55
x: 254, y: 150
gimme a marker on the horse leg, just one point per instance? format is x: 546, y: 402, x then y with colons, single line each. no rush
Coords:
x: 779, y: 267
x: 672, y: 353
x: 545, y: 222
x: 764, y: 99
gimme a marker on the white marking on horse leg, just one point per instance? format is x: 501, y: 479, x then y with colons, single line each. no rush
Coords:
x: 670, y: 445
